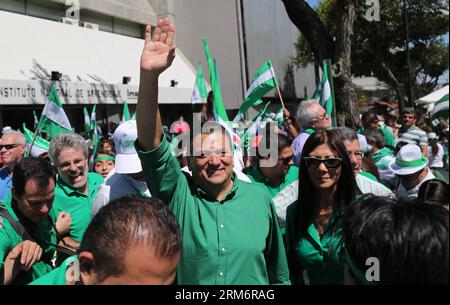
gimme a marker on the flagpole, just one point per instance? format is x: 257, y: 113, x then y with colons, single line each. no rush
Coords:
x: 279, y: 94
x: 32, y: 141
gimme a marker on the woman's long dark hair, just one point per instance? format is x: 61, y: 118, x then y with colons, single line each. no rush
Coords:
x: 434, y: 146
x: 306, y: 208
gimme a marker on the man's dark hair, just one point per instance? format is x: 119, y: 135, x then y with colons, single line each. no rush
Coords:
x: 29, y: 168
x: 435, y: 191
x: 408, y: 110
x: 374, y: 135
x: 409, y: 237
x: 368, y: 117
x: 126, y: 222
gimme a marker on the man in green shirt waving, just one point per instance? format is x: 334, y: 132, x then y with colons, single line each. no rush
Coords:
x: 230, y: 229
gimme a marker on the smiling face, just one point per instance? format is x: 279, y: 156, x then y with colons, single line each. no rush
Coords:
x: 73, y: 167
x: 36, y: 203
x: 11, y: 151
x: 212, y: 163
x: 321, y: 176
x: 103, y: 167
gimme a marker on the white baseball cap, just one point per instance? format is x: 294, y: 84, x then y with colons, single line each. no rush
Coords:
x: 432, y: 136
x: 409, y: 160
x: 127, y: 160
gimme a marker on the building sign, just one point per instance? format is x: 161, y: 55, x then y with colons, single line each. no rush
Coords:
x: 32, y: 92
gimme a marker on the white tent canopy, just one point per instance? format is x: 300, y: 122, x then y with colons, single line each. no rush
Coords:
x: 433, y: 97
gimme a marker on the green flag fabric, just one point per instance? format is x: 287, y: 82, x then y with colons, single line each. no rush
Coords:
x: 219, y: 112
x: 87, y: 121
x: 53, y: 119
x: 126, y: 112
x: 40, y: 145
x: 199, y: 93
x: 327, y: 96
x: 263, y: 81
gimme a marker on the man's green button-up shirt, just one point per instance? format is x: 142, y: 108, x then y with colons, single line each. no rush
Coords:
x: 233, y: 241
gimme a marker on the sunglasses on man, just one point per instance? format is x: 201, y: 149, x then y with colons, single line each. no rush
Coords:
x: 8, y: 146
x: 329, y: 162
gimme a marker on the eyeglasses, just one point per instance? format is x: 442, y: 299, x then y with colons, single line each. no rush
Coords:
x: 286, y: 160
x: 321, y: 117
x: 358, y: 154
x: 329, y: 162
x: 8, y: 146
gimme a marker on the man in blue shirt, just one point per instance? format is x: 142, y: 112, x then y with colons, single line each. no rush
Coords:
x: 12, y: 147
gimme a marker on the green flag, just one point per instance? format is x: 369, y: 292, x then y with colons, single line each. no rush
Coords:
x: 263, y: 81
x: 219, y: 112
x: 327, y: 96
x: 126, y: 112
x: 279, y: 116
x: 53, y: 119
x: 87, y: 121
x: 40, y: 145
x: 440, y: 109
x: 199, y: 93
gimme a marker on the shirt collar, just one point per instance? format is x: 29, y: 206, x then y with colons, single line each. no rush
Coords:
x: 231, y: 193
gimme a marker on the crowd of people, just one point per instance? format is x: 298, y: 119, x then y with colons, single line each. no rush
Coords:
x: 140, y: 211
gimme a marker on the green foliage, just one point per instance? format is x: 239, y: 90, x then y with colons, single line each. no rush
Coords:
x: 377, y: 42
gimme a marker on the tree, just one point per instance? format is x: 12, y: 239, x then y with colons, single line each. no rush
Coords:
x: 333, y: 43
x: 378, y: 47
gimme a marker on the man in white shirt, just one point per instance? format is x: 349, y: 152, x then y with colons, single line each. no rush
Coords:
x: 410, y: 166
x: 128, y: 178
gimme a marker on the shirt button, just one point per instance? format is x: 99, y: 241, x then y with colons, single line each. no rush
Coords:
x: 221, y: 273
x: 221, y: 226
x: 223, y: 249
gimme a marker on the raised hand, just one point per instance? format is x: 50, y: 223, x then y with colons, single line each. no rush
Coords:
x: 158, y: 52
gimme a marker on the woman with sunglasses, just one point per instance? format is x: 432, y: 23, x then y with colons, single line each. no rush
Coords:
x: 313, y: 223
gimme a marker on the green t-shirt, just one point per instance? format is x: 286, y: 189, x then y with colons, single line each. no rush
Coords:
x: 282, y: 195
x: 233, y: 241
x: 45, y: 237
x: 56, y: 276
x: 319, y: 257
x: 76, y: 203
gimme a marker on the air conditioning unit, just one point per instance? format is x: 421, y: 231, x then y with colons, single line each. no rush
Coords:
x: 70, y: 21
x: 89, y: 25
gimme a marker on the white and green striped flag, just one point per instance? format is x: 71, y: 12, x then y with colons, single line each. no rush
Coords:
x: 87, y: 121
x: 440, y: 108
x: 252, y: 129
x: 327, y: 94
x: 40, y: 145
x: 263, y: 81
x: 53, y: 119
x: 199, y: 94
x: 279, y: 116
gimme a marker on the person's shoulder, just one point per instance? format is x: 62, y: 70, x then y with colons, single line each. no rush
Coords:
x: 376, y: 186
x: 94, y: 177
x: 293, y: 171
x: 4, y: 173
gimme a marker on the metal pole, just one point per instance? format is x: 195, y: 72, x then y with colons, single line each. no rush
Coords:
x: 408, y: 59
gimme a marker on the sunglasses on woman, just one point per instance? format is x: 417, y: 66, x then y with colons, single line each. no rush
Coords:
x: 329, y: 162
